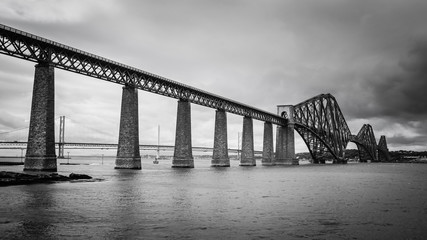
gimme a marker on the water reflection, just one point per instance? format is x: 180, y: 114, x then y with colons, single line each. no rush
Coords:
x: 182, y: 172
x: 37, y: 219
x: 125, y: 204
x: 365, y: 201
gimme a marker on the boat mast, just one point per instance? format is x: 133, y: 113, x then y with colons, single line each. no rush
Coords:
x: 158, y: 142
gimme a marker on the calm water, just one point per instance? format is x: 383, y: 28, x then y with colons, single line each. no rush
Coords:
x: 353, y: 201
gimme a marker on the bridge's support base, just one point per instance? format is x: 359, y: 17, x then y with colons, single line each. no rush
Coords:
x: 363, y: 154
x: 128, y: 163
x: 267, y: 149
x: 285, y: 145
x: 128, y: 155
x: 220, y: 151
x: 183, y: 156
x: 47, y: 164
x: 280, y: 151
x: 319, y: 161
x: 290, y: 144
x: 247, y: 158
x: 40, y: 154
x: 383, y: 156
x: 339, y: 161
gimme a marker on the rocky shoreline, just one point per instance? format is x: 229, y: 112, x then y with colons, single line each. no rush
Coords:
x: 14, y: 178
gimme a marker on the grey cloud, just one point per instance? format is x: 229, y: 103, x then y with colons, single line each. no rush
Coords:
x: 402, y: 93
x: 10, y: 122
x: 261, y: 53
x: 418, y: 143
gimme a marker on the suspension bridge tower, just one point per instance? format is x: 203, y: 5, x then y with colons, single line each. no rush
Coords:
x: 61, y: 141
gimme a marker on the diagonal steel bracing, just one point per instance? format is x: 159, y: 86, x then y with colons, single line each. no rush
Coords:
x: 383, y: 153
x: 322, y: 126
x: 366, y: 144
x: 33, y: 48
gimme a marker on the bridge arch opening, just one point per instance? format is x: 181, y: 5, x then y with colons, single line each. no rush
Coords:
x: 351, y: 152
x: 319, y: 150
x: 363, y: 153
x: 284, y: 114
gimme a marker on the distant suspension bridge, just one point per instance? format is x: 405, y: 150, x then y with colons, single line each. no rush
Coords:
x: 16, y: 139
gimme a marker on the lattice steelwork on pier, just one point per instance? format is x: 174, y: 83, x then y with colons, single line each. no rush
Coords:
x: 27, y: 46
x: 383, y: 153
x: 322, y: 126
x: 366, y: 144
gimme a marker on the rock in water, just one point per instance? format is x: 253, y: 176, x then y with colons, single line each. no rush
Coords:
x: 14, y: 178
x: 79, y: 176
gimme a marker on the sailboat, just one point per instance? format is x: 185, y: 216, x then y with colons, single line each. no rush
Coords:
x: 156, y: 160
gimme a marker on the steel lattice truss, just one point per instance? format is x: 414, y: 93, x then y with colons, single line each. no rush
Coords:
x: 26, y: 46
x: 321, y: 124
x: 383, y: 153
x: 366, y: 144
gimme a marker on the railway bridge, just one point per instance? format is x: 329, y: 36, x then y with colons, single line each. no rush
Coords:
x: 318, y: 120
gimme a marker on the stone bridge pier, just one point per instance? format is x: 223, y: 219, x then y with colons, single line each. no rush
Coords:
x: 247, y: 157
x: 40, y: 155
x: 183, y: 155
x: 267, y: 148
x: 220, y: 150
x: 128, y: 154
x: 285, y: 138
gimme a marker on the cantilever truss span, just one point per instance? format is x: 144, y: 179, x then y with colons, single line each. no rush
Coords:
x: 33, y: 48
x: 322, y: 126
x: 366, y: 144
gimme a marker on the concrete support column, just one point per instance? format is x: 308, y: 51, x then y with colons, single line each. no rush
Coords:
x: 183, y: 155
x: 247, y: 158
x: 285, y: 148
x: 220, y: 150
x: 289, y: 144
x: 267, y: 149
x: 280, y: 148
x: 285, y: 145
x: 40, y: 154
x: 128, y: 155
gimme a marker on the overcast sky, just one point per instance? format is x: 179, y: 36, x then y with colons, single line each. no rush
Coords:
x: 370, y: 54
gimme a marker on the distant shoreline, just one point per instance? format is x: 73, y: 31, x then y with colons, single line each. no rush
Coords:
x: 10, y: 163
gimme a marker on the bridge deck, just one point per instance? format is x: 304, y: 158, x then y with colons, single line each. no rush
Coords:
x: 20, y: 44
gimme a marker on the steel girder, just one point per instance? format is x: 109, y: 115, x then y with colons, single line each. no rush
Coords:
x: 33, y: 48
x: 366, y: 144
x: 383, y: 153
x: 322, y: 126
